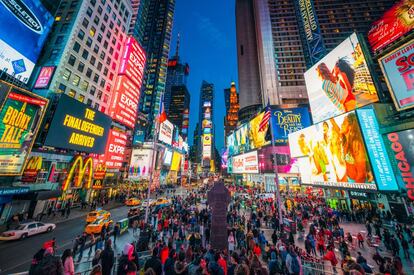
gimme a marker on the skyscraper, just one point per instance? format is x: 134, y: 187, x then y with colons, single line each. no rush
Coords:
x: 177, y: 74
x: 135, y: 8
x: 180, y: 105
x: 85, y: 48
x: 153, y: 31
x: 232, y: 108
x: 205, y: 143
x: 247, y: 57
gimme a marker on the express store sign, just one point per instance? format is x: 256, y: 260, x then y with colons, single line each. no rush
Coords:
x: 133, y: 61
x: 115, y: 150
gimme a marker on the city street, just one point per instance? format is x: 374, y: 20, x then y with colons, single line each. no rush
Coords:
x: 16, y: 255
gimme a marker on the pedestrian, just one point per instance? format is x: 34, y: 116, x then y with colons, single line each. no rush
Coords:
x: 107, y: 258
x: 82, y: 243
x: 116, y: 232
x: 68, y: 206
x: 154, y: 263
x: 92, y: 244
x: 360, y: 240
x: 97, y: 257
x: 76, y: 245
x: 67, y: 260
x: 126, y: 265
x: 293, y: 264
x: 405, y: 247
x: 49, y: 264
x: 330, y: 256
x: 231, y: 242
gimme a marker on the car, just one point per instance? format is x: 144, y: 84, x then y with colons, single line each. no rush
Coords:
x: 97, y: 214
x: 24, y: 230
x: 162, y: 202
x: 97, y: 226
x: 132, y: 202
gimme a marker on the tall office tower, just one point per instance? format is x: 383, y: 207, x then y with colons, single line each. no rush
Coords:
x: 135, y: 8
x: 153, y: 31
x: 179, y: 106
x: 177, y: 74
x: 232, y: 108
x: 205, y: 122
x: 250, y: 91
x: 84, y: 49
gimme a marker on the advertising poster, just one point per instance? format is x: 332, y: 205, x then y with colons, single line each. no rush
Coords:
x: 286, y: 121
x: 384, y: 175
x: 167, y: 157
x: 44, y: 77
x: 340, y: 82
x: 124, y: 102
x: 133, y: 61
x: 398, y: 69
x: 401, y: 152
x: 115, y: 150
x: 166, y: 132
x: 176, y: 161
x: 207, y: 139
x: 75, y: 126
x: 246, y: 163
x: 267, y: 159
x: 333, y: 153
x: 395, y: 22
x: 258, y: 138
x: 21, y: 114
x: 24, y: 26
x: 140, y: 164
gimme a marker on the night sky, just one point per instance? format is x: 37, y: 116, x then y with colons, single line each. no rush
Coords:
x: 208, y: 45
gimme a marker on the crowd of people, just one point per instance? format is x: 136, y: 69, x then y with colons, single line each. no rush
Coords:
x: 179, y: 239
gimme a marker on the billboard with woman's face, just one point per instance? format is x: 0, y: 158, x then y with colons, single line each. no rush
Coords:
x: 340, y: 82
x: 332, y: 153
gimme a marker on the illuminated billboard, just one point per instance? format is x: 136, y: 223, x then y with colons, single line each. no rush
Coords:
x: 166, y: 132
x: 140, y: 164
x: 176, y: 161
x: 398, y: 69
x: 401, y: 152
x: 133, y: 61
x: 115, y: 150
x: 380, y: 162
x: 207, y: 139
x: 44, y: 77
x: 340, y: 82
x: 124, y: 103
x: 395, y: 23
x: 332, y: 153
x: 269, y: 156
x: 167, y: 157
x: 75, y: 126
x: 246, y: 163
x: 21, y: 114
x: 24, y: 26
x: 286, y: 121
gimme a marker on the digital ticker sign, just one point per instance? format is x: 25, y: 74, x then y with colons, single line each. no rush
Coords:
x: 77, y: 127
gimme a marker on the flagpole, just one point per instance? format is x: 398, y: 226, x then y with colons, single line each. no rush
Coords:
x: 278, y: 199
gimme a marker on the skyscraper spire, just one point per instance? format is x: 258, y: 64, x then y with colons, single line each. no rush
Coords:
x: 177, y: 48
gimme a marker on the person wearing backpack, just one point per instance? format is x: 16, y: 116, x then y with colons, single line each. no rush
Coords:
x: 49, y: 264
x: 292, y: 262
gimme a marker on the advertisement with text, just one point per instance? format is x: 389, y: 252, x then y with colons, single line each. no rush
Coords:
x: 139, y: 167
x: 286, y: 121
x: 115, y: 150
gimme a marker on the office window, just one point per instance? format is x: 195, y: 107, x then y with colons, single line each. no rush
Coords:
x: 105, y: 72
x: 93, y: 2
x: 76, y: 47
x: 89, y: 11
x: 81, y: 98
x: 105, y: 45
x: 106, y: 98
x: 99, y: 96
x: 66, y: 74
x: 73, y: 4
x: 61, y: 88
x: 72, y: 60
x: 96, y: 106
x: 106, y: 17
x: 53, y: 54
x: 111, y: 76
x: 81, y: 34
x: 85, y: 22
x: 84, y: 85
x: 111, y: 25
x: 99, y: 38
x: 100, y: 10
x: 76, y: 80
x: 92, y: 90
x: 92, y: 60
x: 108, y: 60
x: 81, y: 67
x: 96, y: 20
x: 64, y: 27
x: 88, y: 72
x: 111, y: 50
x: 96, y: 49
x: 89, y: 102
x: 102, y: 55
x: 85, y: 54
x: 99, y: 67
x: 102, y: 84
x: 96, y: 78
x: 89, y: 42
x: 103, y: 27
x: 92, y: 31
x: 72, y: 93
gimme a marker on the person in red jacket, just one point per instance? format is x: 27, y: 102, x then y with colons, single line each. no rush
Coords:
x: 222, y: 263
x: 257, y: 250
x: 164, y: 254
x: 330, y: 256
x: 321, y: 246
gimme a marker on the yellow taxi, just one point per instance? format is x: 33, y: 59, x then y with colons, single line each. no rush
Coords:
x: 162, y: 202
x: 97, y: 214
x: 96, y: 226
x: 132, y: 202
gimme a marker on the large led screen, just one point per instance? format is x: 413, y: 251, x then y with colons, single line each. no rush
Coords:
x: 115, y: 152
x: 286, y: 121
x: 340, y: 82
x: 75, y: 126
x: 332, y: 153
x: 21, y: 114
x: 24, y: 26
x: 395, y: 22
x: 140, y: 163
x: 398, y: 69
x: 246, y: 163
